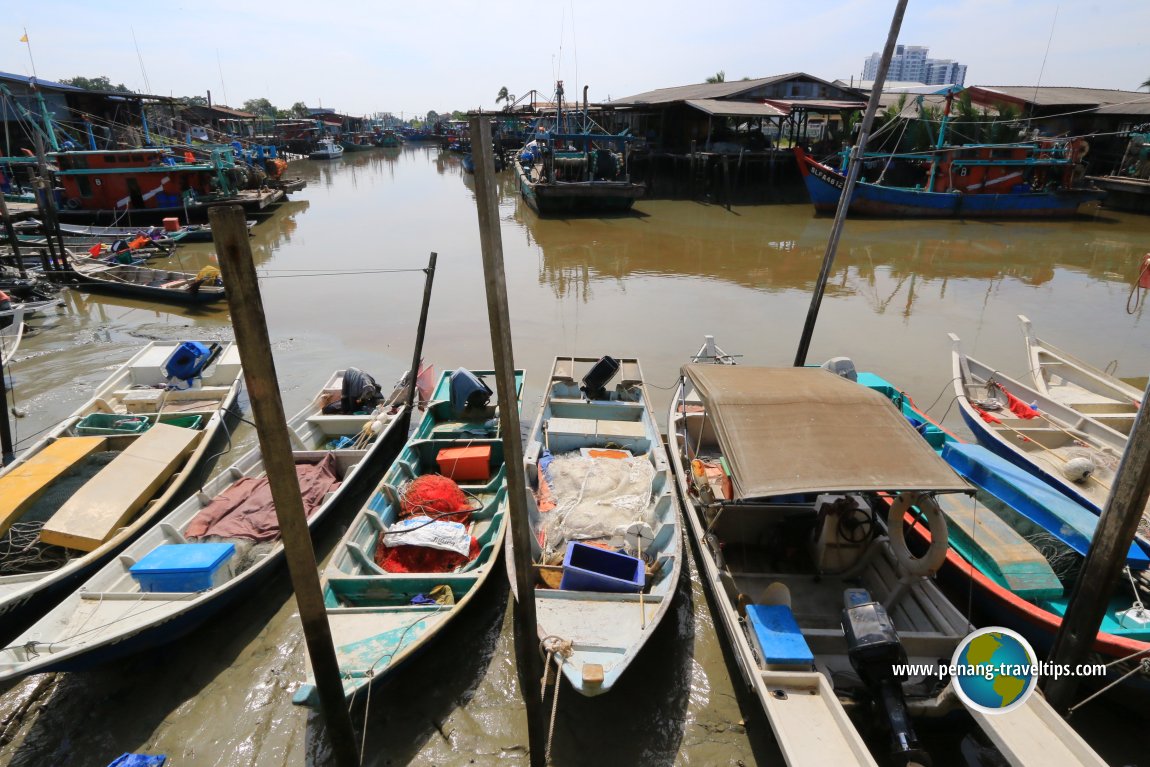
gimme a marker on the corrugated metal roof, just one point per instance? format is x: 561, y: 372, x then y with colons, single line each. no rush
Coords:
x: 702, y: 91
x: 1058, y: 97
x: 1139, y: 106
x: 41, y: 82
x: 816, y: 105
x: 736, y: 108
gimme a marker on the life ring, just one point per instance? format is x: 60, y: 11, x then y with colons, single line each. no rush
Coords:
x: 929, y: 563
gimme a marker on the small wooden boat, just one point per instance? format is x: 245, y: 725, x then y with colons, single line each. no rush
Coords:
x: 356, y: 144
x: 326, y: 149
x: 107, y: 472
x: 129, y: 606
x: 1074, y: 454
x: 797, y: 520
x: 1090, y: 392
x: 137, y: 281
x: 386, y: 600
x: 1003, y: 553
x: 11, y: 331
x: 606, y: 516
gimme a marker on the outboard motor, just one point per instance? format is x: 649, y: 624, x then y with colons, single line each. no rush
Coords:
x: 595, y: 382
x: 874, y: 649
x: 359, y: 394
x: 187, y: 362
x: 468, y: 391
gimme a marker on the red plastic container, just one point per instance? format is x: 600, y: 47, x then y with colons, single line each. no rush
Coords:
x: 465, y: 464
x: 171, y: 224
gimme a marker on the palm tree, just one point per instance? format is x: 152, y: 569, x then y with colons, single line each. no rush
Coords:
x: 718, y: 77
x: 503, y: 96
x: 1145, y: 84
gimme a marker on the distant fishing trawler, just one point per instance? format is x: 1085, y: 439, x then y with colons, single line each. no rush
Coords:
x: 1043, y: 178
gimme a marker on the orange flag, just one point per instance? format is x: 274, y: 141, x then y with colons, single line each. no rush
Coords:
x: 24, y: 39
x: 95, y: 250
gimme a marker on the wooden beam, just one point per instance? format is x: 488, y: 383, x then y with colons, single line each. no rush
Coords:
x: 230, y: 233
x: 491, y: 243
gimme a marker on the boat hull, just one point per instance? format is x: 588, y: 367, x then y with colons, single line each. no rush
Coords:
x: 825, y: 188
x: 584, y: 198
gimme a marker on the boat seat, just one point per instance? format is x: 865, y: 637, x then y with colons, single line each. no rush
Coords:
x: 24, y: 484
x: 107, y: 501
x: 630, y: 375
x: 564, y: 369
x: 777, y: 637
x: 594, y: 428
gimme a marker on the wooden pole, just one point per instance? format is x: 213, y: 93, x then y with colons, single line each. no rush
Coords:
x: 419, y: 334
x: 1102, y: 569
x: 849, y: 186
x: 10, y: 232
x: 230, y: 234
x: 491, y: 243
x: 47, y: 204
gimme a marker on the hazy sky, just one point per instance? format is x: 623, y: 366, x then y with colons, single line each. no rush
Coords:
x: 408, y: 56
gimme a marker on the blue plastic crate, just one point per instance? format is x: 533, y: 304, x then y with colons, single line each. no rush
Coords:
x: 184, y: 567
x: 589, y: 568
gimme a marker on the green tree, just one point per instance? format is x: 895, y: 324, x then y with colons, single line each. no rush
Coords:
x: 718, y: 77
x: 259, y: 107
x: 194, y: 101
x: 100, y: 83
x: 432, y: 118
x: 299, y: 109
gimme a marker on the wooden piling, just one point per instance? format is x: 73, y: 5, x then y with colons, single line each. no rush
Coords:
x: 1105, y: 560
x: 7, y: 449
x: 230, y: 234
x: 10, y: 232
x: 526, y: 630
x: 420, y: 331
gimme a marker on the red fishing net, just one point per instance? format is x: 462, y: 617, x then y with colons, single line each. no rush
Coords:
x: 433, y: 495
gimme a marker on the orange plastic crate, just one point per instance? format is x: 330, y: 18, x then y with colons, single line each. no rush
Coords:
x: 465, y: 464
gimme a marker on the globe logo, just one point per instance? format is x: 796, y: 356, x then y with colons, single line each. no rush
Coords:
x: 994, y: 670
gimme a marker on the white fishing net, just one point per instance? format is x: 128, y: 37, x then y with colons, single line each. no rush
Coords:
x: 596, y: 498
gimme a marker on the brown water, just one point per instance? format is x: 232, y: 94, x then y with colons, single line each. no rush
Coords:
x: 649, y: 286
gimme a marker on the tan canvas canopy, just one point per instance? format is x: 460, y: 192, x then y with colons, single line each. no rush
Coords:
x: 806, y: 430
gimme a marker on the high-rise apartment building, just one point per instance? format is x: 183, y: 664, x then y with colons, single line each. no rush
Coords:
x: 910, y: 64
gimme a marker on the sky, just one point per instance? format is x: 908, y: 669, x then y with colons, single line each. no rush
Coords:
x: 410, y: 57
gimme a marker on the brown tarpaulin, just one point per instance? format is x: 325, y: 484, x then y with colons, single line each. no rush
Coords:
x: 806, y: 430
x: 246, y: 509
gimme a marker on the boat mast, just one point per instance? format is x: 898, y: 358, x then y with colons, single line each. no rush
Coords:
x: 941, y: 140
x: 47, y: 119
x: 849, y: 185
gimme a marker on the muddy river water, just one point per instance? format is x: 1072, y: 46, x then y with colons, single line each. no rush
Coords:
x: 339, y: 281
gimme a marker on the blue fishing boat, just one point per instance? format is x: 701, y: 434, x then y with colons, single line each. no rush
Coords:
x: 1043, y: 178
x: 425, y: 542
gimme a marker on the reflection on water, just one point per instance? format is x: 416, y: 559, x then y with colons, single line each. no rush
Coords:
x: 648, y: 285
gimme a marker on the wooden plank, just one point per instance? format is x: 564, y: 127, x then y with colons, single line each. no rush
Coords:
x: 112, y: 497
x: 24, y: 484
x: 998, y: 550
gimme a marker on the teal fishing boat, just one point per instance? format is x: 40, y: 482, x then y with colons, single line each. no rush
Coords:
x: 425, y: 542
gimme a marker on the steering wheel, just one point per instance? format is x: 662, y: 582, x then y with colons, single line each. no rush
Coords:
x: 855, y: 525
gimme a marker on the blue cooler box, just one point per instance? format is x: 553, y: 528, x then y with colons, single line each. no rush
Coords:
x: 590, y: 568
x: 184, y: 567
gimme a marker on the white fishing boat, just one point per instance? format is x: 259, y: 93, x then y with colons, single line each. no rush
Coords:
x: 1085, y: 389
x: 425, y: 542
x: 217, y: 546
x: 1068, y: 450
x: 326, y: 149
x: 605, y: 512
x: 11, y: 331
x: 796, y: 482
x: 107, y: 472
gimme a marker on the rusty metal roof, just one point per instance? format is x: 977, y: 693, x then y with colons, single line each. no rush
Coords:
x: 702, y: 91
x: 1057, y: 97
x: 816, y: 105
x: 719, y: 108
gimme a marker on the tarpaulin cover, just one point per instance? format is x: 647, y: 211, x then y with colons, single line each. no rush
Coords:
x: 246, y: 509
x: 806, y: 430
x: 139, y: 760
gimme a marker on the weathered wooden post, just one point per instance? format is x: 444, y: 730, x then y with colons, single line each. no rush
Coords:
x: 849, y: 185
x: 10, y: 233
x: 420, y: 331
x: 7, y: 449
x: 1104, y: 562
x: 230, y: 233
x: 491, y: 242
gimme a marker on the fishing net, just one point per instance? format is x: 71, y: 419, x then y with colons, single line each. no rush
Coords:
x: 1064, y: 561
x: 596, y: 498
x: 21, y: 551
x: 436, y: 496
